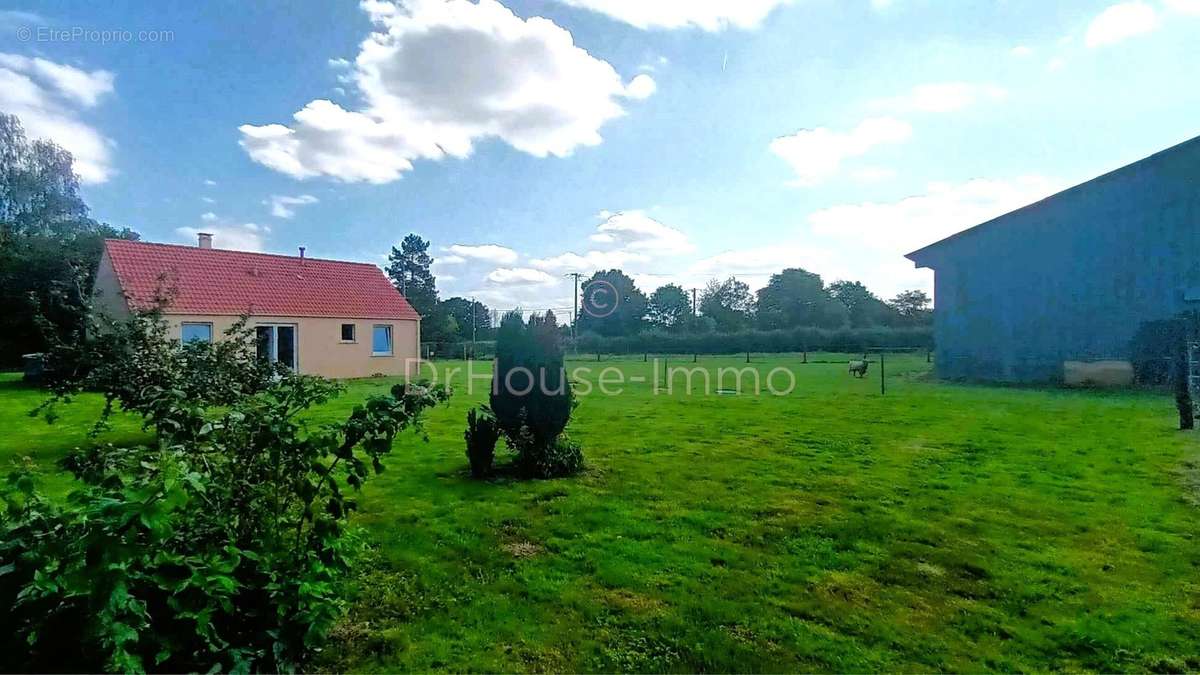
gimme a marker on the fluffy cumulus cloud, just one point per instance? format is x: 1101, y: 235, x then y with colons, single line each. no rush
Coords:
x: 709, y: 15
x: 636, y: 231
x: 1121, y: 22
x: 233, y: 236
x: 942, y: 97
x: 487, y: 252
x: 436, y: 76
x: 283, y: 206
x: 519, y: 276
x: 817, y: 154
x: 49, y: 98
x: 621, y: 239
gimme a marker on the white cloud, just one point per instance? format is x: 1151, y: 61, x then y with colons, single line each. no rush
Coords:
x: 1121, y: 22
x: 437, y: 76
x: 1022, y: 51
x: 282, y: 205
x: 448, y: 260
x: 589, y: 261
x: 489, y: 252
x: 817, y: 154
x: 1056, y: 64
x: 636, y: 231
x: 209, y: 182
x: 709, y: 15
x: 941, y: 97
x: 908, y: 224
x: 244, y: 237
x: 641, y: 86
x: 209, y: 216
x: 519, y: 276
x: 208, y: 200
x: 48, y: 98
x: 759, y: 261
x: 880, y: 5
x: 626, y: 237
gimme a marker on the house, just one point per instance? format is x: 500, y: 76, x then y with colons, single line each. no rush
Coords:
x: 1072, y: 277
x: 324, y: 317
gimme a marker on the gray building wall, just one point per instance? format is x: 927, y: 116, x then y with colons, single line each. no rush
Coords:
x: 1071, y: 277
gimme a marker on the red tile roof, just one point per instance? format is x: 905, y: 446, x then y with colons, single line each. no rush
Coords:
x: 230, y: 283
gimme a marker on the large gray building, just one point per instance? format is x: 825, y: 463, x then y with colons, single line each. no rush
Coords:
x: 1071, y: 277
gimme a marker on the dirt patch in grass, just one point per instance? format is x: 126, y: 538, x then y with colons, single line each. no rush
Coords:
x: 521, y: 549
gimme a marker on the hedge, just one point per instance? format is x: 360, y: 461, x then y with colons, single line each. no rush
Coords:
x: 847, y: 340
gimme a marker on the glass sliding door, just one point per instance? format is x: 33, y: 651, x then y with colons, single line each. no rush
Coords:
x: 285, y: 345
x: 277, y: 343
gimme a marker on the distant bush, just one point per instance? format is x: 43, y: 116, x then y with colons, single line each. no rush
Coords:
x: 481, y: 435
x: 773, y: 341
x: 531, y: 396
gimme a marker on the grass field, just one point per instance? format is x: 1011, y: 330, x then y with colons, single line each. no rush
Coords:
x: 941, y: 527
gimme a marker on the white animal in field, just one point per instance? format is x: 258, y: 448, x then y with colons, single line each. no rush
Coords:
x: 858, y: 368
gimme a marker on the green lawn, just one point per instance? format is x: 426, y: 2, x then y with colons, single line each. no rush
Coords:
x: 941, y: 527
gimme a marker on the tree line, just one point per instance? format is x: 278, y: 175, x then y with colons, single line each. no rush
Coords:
x: 611, y: 305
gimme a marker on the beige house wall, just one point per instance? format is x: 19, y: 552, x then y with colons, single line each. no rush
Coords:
x: 321, y: 350
x: 320, y: 347
x: 106, y: 292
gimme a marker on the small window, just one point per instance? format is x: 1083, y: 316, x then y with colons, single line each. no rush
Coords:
x: 196, y: 332
x: 347, y: 332
x: 381, y: 341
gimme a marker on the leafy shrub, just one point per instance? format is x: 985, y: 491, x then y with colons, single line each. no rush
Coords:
x: 561, y: 458
x: 217, y: 547
x: 481, y: 435
x: 531, y: 396
x: 126, y: 360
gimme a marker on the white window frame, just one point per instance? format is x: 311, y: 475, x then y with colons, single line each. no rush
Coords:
x: 353, y: 333
x: 184, y: 340
x: 391, y: 333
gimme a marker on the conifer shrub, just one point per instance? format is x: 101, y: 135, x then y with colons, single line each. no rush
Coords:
x: 532, y: 397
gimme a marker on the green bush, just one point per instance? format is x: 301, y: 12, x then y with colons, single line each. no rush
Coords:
x: 219, y: 546
x: 531, y: 396
x: 481, y: 435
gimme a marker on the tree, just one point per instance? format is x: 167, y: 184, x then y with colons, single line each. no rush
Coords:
x: 408, y: 268
x: 463, y: 311
x: 862, y: 306
x: 796, y: 297
x: 611, y: 304
x: 49, y: 247
x: 531, y: 396
x: 728, y: 303
x: 669, y: 307
x: 913, y: 307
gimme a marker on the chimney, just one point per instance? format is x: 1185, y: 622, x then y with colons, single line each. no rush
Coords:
x: 205, y: 239
x: 301, y: 254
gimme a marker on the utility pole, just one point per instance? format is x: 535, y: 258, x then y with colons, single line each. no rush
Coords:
x: 575, y: 305
x: 473, y: 303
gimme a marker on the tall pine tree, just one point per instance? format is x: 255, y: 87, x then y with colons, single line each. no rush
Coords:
x: 408, y: 268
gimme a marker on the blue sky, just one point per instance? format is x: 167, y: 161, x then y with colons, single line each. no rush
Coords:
x: 680, y: 140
